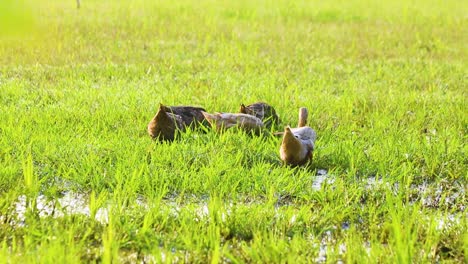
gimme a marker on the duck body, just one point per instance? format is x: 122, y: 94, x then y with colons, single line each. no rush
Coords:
x: 223, y: 121
x: 262, y: 111
x: 298, y: 143
x: 191, y: 116
x: 170, y: 119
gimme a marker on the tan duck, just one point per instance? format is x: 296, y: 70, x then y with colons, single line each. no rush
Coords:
x: 298, y: 143
x: 170, y: 119
x: 263, y: 111
x: 223, y: 121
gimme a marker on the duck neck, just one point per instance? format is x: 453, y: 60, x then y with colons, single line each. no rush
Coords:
x: 291, y: 143
x: 303, y: 114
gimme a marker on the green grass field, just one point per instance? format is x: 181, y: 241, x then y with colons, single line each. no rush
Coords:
x: 385, y: 83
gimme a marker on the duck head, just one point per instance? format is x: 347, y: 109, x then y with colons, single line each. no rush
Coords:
x: 163, y: 125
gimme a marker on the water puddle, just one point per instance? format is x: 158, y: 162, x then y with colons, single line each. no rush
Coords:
x: 446, y: 193
x: 428, y: 195
x: 69, y: 203
x: 321, y: 178
x: 78, y: 203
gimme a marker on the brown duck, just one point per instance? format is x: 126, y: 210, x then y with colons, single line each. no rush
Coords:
x: 223, y: 121
x: 263, y: 111
x: 170, y: 119
x: 298, y: 143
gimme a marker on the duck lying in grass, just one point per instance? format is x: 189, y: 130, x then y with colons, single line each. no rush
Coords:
x: 263, y: 111
x: 298, y: 143
x: 222, y: 121
x: 170, y: 119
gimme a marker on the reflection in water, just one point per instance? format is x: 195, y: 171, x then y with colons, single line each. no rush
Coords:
x: 78, y: 203
x: 70, y: 203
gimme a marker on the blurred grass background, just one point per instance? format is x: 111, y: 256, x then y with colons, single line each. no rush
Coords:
x: 156, y: 32
x: 385, y: 83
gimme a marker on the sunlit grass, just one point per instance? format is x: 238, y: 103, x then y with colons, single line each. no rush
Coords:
x: 385, y: 85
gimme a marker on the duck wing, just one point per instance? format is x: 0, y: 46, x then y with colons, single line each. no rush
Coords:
x: 306, y: 135
x: 227, y: 120
x: 190, y: 115
x: 245, y: 121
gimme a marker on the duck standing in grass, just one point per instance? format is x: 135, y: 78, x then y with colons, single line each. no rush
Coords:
x: 170, y: 119
x: 223, y: 121
x: 298, y: 143
x: 263, y: 111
